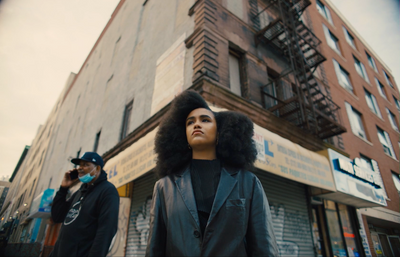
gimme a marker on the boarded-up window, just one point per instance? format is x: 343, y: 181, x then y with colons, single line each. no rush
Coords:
x: 236, y: 7
x: 234, y: 74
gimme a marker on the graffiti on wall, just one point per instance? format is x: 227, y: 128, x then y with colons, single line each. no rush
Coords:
x: 292, y: 223
x: 141, y: 225
x: 286, y: 222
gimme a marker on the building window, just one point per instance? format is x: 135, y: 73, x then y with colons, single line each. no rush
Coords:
x: 234, y: 74
x: 332, y: 41
x: 41, y: 157
x: 343, y: 76
x: 349, y: 38
x: 385, y: 141
x: 366, y: 162
x: 270, y: 98
x: 33, y: 185
x: 397, y: 103
x: 264, y: 17
x: 372, y: 104
x: 116, y: 50
x: 392, y: 119
x: 356, y: 122
x: 388, y: 80
x: 96, y: 142
x: 381, y: 88
x: 126, y: 120
x: 372, y: 165
x: 360, y: 69
x: 324, y: 11
x: 396, y: 181
x: 371, y: 62
x: 236, y: 7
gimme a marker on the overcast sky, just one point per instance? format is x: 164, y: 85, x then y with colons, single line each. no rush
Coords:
x: 42, y: 41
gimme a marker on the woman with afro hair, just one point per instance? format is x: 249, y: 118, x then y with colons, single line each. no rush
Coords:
x: 206, y: 202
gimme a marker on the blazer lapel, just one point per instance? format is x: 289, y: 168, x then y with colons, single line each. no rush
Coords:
x: 184, y: 185
x: 226, y: 184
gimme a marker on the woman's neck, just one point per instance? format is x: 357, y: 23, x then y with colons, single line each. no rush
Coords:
x: 204, y: 155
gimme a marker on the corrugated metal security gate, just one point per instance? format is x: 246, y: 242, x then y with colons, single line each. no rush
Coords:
x: 139, y: 218
x: 288, y: 205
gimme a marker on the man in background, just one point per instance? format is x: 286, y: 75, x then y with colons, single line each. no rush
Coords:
x: 90, y: 215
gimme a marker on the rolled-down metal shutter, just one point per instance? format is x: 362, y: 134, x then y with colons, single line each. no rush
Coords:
x: 139, y: 219
x: 288, y: 205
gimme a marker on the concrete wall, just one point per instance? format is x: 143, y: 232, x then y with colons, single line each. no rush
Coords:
x: 120, y: 68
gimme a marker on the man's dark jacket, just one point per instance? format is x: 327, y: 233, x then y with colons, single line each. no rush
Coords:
x: 89, y: 217
x: 239, y: 224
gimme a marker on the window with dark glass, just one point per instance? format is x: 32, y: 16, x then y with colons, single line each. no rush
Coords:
x: 126, y: 120
x: 381, y: 88
x: 342, y: 76
x: 324, y: 11
x: 360, y: 69
x: 366, y: 162
x: 397, y: 103
x: 356, y: 122
x: 388, y: 79
x: 372, y: 104
x: 33, y: 185
x: 349, y: 38
x: 392, y: 120
x: 331, y: 39
x: 371, y: 62
x: 385, y: 141
x: 270, y: 96
x: 96, y: 141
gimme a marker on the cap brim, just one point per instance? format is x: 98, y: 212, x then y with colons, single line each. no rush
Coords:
x: 76, y: 161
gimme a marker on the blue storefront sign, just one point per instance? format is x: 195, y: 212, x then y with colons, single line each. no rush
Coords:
x: 355, y: 180
x: 41, y: 208
x: 41, y: 204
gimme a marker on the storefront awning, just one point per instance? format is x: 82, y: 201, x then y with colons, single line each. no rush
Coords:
x: 133, y: 162
x: 349, y: 200
x: 381, y: 216
x: 275, y: 154
x: 41, y: 205
x: 44, y: 214
x: 284, y: 158
x: 355, y: 185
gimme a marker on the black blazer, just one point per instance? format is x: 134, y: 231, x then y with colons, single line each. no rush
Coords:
x: 239, y: 224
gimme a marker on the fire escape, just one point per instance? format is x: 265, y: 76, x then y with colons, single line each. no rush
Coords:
x: 297, y: 95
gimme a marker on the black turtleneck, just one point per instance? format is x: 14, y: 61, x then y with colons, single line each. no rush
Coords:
x: 205, y: 176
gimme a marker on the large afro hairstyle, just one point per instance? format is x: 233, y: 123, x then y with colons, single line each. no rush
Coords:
x: 235, y: 149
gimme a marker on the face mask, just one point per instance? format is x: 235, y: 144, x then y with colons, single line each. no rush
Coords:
x: 87, y: 178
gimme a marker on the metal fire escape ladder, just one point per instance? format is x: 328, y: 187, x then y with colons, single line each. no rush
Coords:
x: 307, y: 106
x: 292, y: 47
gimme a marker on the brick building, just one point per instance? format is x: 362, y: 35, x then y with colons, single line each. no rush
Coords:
x: 325, y: 110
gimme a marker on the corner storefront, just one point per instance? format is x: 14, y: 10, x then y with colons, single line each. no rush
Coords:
x: 337, y: 216
x: 285, y: 169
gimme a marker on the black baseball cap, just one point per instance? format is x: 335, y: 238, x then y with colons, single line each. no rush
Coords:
x: 89, y: 157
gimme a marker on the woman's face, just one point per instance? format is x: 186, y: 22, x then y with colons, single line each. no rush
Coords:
x: 201, y: 129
